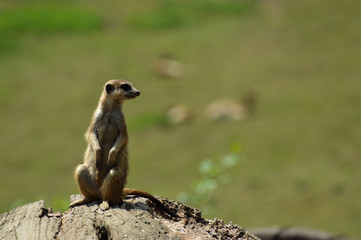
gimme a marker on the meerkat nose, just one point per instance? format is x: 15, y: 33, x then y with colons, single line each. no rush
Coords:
x: 137, y: 93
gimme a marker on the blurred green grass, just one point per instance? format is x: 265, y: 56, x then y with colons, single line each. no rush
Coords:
x: 50, y: 18
x: 302, y: 144
x: 170, y: 14
x: 47, y: 19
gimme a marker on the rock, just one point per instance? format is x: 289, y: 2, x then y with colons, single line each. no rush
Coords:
x: 226, y: 109
x: 232, y: 109
x: 136, y: 218
x: 30, y: 221
x: 179, y: 114
x: 167, y: 66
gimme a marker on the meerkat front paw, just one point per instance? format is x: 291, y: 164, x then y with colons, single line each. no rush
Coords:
x: 104, y: 206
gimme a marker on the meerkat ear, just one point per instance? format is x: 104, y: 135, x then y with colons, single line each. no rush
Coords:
x: 109, y: 88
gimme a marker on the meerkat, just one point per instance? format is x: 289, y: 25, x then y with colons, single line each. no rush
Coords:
x: 103, y: 173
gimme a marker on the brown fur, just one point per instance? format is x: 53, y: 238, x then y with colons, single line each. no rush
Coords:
x: 104, y: 172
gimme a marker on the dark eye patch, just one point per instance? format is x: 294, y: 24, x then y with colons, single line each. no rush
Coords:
x: 109, y: 88
x: 125, y: 87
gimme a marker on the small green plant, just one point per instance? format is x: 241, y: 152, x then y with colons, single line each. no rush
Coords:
x: 213, y: 174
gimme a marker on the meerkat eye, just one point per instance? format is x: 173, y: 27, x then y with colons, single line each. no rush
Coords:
x: 109, y: 88
x: 126, y: 87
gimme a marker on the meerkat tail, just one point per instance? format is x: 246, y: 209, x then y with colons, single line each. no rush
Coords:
x: 140, y: 193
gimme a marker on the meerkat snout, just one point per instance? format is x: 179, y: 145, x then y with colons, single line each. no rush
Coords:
x: 133, y: 93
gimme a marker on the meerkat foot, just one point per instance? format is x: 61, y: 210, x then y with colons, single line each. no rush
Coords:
x: 80, y: 202
x: 104, y: 206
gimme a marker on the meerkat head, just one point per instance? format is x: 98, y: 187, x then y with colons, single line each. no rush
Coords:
x: 120, y: 90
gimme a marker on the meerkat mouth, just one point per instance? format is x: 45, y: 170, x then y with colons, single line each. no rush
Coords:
x: 132, y: 95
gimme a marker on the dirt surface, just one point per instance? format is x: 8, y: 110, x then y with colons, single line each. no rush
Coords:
x: 136, y: 218
x: 191, y: 225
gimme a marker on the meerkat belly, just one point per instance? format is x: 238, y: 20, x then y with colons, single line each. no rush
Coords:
x: 107, y: 137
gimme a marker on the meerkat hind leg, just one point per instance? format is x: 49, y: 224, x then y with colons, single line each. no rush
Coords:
x: 87, y: 186
x: 111, y: 190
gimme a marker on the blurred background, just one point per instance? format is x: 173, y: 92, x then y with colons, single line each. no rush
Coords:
x: 276, y: 80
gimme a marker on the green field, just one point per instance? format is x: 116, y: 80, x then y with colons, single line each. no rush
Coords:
x: 301, y: 59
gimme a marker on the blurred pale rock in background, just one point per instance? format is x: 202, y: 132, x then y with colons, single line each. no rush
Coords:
x: 226, y: 109
x: 166, y: 66
x: 232, y: 109
x: 179, y: 114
